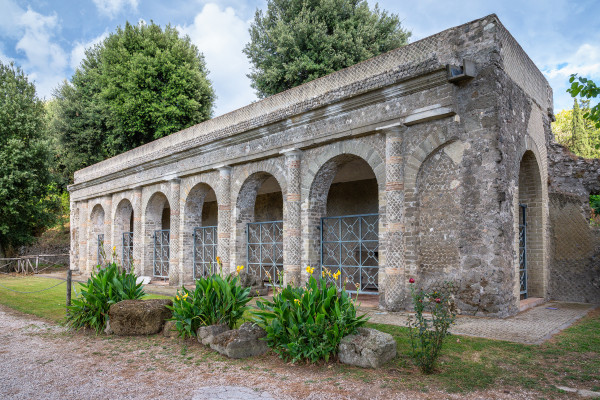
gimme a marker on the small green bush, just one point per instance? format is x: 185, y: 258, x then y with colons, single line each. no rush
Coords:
x: 427, y: 334
x: 308, y: 323
x: 214, y: 301
x: 107, y: 286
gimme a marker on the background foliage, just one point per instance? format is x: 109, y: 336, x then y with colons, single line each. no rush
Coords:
x: 140, y: 84
x: 25, y: 207
x: 296, y: 41
x: 577, y: 133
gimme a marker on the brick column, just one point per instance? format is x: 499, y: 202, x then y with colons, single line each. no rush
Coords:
x: 394, y: 291
x: 224, y: 218
x: 108, y: 223
x: 74, y: 242
x: 292, y: 234
x: 138, y: 239
x: 175, y: 268
x: 84, y: 236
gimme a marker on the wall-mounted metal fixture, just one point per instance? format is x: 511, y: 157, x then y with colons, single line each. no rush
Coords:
x: 458, y: 74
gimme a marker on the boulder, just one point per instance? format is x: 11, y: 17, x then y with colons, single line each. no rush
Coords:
x: 206, y: 334
x: 256, y: 285
x: 169, y: 330
x: 369, y: 348
x: 139, y: 317
x: 241, y: 343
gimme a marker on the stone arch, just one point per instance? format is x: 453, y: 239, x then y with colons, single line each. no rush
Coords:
x: 200, y: 209
x: 157, y: 216
x: 253, y: 206
x: 97, y: 227
x: 530, y: 195
x: 123, y: 222
x: 334, y: 192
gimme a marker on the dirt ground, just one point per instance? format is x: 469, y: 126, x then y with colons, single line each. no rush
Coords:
x: 42, y: 360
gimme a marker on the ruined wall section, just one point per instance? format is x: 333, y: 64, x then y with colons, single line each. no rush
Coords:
x: 575, y: 244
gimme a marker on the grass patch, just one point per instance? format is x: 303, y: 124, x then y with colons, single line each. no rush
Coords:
x: 49, y: 304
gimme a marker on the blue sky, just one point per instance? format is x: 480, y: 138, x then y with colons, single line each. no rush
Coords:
x: 47, y: 38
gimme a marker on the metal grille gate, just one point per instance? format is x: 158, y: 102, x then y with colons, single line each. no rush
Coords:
x: 205, y: 251
x: 127, y: 251
x: 523, y: 250
x: 100, y: 249
x: 350, y: 244
x: 265, y: 250
x: 161, y: 253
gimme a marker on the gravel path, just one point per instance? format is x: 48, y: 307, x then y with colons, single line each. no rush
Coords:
x: 39, y: 360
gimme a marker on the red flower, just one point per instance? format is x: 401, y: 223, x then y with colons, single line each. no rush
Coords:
x: 411, y: 280
x: 438, y: 300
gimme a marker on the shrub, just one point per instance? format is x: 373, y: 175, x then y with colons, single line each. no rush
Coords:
x: 308, y: 323
x: 214, y: 301
x: 427, y: 334
x: 109, y: 285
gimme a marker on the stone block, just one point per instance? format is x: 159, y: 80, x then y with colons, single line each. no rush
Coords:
x: 139, y: 317
x: 369, y: 348
x: 207, y: 334
x: 169, y: 330
x: 241, y: 343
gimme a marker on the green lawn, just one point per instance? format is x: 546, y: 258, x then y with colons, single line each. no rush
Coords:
x: 49, y: 304
x: 467, y: 364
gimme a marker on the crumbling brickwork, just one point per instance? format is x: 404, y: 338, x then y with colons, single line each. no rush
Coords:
x: 443, y: 161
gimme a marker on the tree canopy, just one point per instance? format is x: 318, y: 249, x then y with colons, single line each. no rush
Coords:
x: 586, y: 89
x: 24, y: 180
x: 140, y: 84
x: 577, y: 133
x: 296, y: 41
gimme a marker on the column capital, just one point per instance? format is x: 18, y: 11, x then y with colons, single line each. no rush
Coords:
x: 223, y: 169
x: 395, y: 128
x: 293, y: 152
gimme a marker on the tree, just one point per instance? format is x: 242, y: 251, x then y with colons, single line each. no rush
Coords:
x: 586, y: 89
x: 140, y: 84
x: 25, y: 178
x: 297, y: 41
x: 576, y: 133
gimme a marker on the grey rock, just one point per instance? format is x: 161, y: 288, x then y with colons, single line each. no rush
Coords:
x: 139, y: 317
x: 241, y: 343
x: 169, y: 330
x: 207, y: 334
x: 369, y: 348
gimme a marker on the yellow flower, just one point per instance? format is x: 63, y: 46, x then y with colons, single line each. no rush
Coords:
x: 114, y: 249
x: 218, y: 259
x: 177, y: 297
x: 239, y: 268
x: 297, y: 301
x: 337, y: 274
x: 309, y: 270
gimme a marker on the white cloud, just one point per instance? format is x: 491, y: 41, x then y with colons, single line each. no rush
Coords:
x: 78, y: 52
x: 584, y: 61
x: 221, y: 35
x: 112, y: 7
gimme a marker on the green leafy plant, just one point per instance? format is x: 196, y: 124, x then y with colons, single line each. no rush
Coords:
x: 427, y: 334
x: 308, y: 323
x: 214, y: 301
x: 106, y: 286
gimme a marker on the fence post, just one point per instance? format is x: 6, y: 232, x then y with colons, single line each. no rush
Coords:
x: 68, y: 289
x: 37, y: 264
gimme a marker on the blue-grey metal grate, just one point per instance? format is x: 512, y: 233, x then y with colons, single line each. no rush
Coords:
x: 523, y: 250
x: 100, y: 249
x: 205, y: 251
x: 265, y: 250
x: 350, y: 244
x: 127, y: 251
x: 161, y: 253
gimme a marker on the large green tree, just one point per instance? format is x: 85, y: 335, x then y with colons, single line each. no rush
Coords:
x: 140, y: 84
x: 577, y: 133
x: 24, y: 177
x: 296, y: 41
x: 586, y: 89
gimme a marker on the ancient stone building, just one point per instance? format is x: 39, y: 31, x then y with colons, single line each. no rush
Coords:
x: 428, y: 162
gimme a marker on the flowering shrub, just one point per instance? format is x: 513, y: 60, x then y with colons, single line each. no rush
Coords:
x: 308, y: 323
x: 214, y: 301
x: 427, y: 334
x: 107, y: 286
